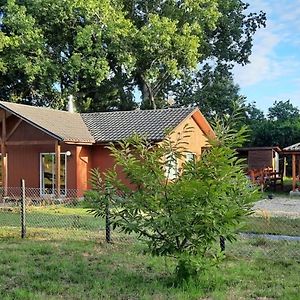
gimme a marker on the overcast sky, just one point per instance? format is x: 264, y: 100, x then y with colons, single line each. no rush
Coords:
x: 274, y: 71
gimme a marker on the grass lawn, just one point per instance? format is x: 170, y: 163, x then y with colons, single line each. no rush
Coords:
x: 71, y: 264
x: 55, y: 216
x: 272, y: 225
x: 64, y: 257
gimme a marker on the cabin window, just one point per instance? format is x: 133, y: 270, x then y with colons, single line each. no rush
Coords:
x: 190, y: 156
x: 171, y: 167
x: 205, y: 149
x: 47, y: 176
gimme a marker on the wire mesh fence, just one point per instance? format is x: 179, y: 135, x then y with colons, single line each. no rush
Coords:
x: 59, y: 213
x: 65, y: 215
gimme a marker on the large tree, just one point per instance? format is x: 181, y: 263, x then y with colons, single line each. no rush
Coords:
x: 55, y: 48
x: 212, y: 89
x: 280, y: 128
x: 104, y: 51
x: 283, y: 111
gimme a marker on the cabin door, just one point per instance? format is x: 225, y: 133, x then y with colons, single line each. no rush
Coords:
x: 47, y: 173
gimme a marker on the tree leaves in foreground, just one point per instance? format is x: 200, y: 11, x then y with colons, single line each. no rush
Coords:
x: 181, y: 218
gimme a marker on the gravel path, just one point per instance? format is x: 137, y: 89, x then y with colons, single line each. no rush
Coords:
x: 287, y: 207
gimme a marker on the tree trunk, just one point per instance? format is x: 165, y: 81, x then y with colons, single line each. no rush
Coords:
x: 147, y: 93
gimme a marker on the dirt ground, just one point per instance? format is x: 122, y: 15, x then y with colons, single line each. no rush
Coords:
x: 279, y: 206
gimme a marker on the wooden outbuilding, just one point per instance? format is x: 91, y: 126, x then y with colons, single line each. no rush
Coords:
x: 261, y: 157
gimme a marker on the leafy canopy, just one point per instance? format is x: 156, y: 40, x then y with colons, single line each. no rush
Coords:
x: 102, y: 52
x: 280, y: 128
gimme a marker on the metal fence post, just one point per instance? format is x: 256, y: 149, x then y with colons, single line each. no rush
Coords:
x: 107, y: 224
x: 222, y: 243
x: 23, y: 209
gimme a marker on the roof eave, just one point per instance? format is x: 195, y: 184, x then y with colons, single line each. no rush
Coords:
x: 86, y: 143
x: 32, y: 123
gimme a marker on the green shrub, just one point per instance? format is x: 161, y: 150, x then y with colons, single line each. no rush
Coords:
x: 184, y: 217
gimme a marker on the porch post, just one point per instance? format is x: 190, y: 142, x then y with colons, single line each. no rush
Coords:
x: 57, y: 168
x: 4, y: 153
x: 294, y: 171
x: 284, y: 166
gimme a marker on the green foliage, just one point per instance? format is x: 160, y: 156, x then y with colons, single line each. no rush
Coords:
x: 183, y: 217
x: 283, y: 110
x: 212, y: 90
x: 67, y: 264
x: 253, y: 114
x: 281, y: 128
x: 103, y: 51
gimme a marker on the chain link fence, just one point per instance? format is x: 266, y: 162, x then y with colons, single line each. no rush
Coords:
x: 66, y: 216
x: 63, y: 214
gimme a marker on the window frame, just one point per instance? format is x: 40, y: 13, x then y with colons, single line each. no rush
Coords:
x: 42, y: 187
x: 193, y: 158
x: 169, y: 166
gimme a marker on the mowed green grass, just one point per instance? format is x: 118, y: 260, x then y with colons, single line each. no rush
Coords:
x: 78, y: 264
x: 54, y: 216
x: 271, y: 225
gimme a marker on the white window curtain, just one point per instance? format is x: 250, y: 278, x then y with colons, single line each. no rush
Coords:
x: 171, y: 167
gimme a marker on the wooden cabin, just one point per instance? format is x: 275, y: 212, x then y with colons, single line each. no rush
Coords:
x: 54, y: 150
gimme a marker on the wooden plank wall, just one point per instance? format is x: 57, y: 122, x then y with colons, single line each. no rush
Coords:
x: 258, y: 159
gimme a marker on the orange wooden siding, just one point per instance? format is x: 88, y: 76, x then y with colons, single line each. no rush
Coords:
x: 102, y: 159
x: 24, y: 160
x: 82, y: 167
x: 26, y: 132
x: 196, y: 139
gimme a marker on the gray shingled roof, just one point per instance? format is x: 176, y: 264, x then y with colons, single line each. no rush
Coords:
x: 102, y: 126
x: 65, y: 126
x: 115, y: 126
x: 295, y: 147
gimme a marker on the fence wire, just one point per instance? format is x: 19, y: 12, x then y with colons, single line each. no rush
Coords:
x: 51, y: 216
x: 57, y: 214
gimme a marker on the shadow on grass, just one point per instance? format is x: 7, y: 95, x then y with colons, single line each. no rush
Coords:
x: 53, y: 264
x: 79, y: 270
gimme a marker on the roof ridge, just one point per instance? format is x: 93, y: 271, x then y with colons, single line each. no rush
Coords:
x: 38, y: 107
x: 140, y: 110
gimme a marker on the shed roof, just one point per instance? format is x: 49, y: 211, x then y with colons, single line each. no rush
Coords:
x: 275, y: 148
x: 62, y: 125
x: 118, y: 125
x: 295, y: 147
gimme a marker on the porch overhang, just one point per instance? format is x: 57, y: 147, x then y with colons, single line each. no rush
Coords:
x: 294, y: 152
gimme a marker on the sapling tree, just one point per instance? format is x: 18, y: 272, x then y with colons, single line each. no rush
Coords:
x: 182, y: 217
x: 100, y: 199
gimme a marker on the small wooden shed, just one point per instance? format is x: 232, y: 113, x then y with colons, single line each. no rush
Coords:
x: 261, y: 157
